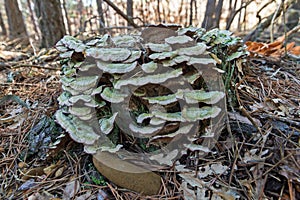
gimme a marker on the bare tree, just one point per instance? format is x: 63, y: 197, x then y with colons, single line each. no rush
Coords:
x: 81, y: 13
x: 100, y: 13
x: 67, y: 17
x: 213, y: 14
x: 129, y: 8
x: 2, y: 25
x: 33, y: 20
x: 219, y: 8
x: 191, y: 11
x: 209, y: 14
x: 120, y: 12
x: 293, y: 15
x: 253, y: 35
x: 235, y: 12
x: 50, y: 20
x: 16, y: 23
x: 158, y: 10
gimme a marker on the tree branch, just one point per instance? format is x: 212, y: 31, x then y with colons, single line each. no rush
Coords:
x: 120, y: 12
x: 254, y: 34
x: 235, y: 13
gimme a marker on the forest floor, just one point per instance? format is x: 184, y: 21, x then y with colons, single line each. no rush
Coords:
x: 259, y: 147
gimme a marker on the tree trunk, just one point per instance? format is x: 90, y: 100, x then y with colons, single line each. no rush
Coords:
x: 218, y: 13
x: 158, y: 11
x: 100, y: 13
x: 191, y: 12
x: 209, y: 14
x: 67, y: 17
x: 33, y: 20
x: 51, y: 21
x: 231, y: 14
x: 129, y: 9
x: 3, y: 28
x: 16, y: 23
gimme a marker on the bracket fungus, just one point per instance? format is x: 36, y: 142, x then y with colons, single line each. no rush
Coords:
x: 111, y: 90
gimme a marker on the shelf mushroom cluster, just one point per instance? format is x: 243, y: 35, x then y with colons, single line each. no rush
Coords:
x: 143, y: 87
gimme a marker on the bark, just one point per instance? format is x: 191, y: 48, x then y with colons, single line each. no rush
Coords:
x: 158, y: 10
x: 191, y: 12
x: 296, y: 5
x: 218, y: 13
x: 209, y: 14
x: 243, y: 6
x: 179, y: 11
x: 80, y: 12
x: 231, y: 13
x: 67, y: 17
x: 196, y: 11
x: 100, y: 13
x: 2, y: 25
x: 129, y: 8
x: 51, y: 21
x: 16, y: 23
x: 33, y: 20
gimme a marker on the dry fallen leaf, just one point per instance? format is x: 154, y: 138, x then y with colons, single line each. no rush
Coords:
x: 71, y: 189
x: 275, y: 49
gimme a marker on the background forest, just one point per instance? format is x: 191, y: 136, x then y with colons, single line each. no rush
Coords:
x: 41, y: 19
